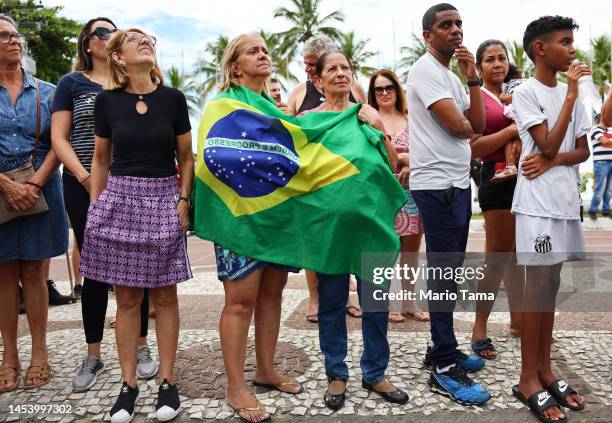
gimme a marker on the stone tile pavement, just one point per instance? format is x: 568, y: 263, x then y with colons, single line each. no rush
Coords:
x: 581, y: 354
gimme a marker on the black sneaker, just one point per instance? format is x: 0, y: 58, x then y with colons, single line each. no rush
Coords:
x: 123, y: 410
x: 606, y: 214
x: 593, y: 216
x: 78, y: 289
x: 55, y: 298
x: 168, y: 402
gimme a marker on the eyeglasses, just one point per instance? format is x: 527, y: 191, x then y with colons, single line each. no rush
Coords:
x: 137, y: 37
x: 102, y: 33
x: 5, y: 37
x: 388, y: 88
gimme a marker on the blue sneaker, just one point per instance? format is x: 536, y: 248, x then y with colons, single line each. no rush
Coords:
x: 469, y: 363
x: 456, y: 385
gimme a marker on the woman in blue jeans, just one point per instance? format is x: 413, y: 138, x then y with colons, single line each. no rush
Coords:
x: 335, y: 75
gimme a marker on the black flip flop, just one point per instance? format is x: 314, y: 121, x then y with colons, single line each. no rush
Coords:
x: 560, y: 389
x: 538, y: 403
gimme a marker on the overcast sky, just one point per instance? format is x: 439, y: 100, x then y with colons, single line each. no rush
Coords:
x: 185, y: 26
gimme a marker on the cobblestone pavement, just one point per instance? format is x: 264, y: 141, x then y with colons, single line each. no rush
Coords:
x: 581, y: 354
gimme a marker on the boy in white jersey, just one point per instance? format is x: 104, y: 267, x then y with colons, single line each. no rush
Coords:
x: 553, y: 127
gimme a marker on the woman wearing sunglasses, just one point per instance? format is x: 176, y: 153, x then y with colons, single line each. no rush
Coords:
x: 386, y: 96
x: 72, y: 134
x: 136, y: 224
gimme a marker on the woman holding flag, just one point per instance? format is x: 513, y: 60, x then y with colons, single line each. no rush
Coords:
x: 276, y: 193
x: 251, y: 286
x: 335, y: 74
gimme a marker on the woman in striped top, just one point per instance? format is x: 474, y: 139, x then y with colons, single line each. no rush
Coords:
x: 72, y: 133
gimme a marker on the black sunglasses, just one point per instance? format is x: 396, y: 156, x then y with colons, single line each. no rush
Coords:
x: 387, y: 88
x: 102, y: 33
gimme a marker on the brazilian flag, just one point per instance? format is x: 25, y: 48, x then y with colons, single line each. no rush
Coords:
x: 314, y: 191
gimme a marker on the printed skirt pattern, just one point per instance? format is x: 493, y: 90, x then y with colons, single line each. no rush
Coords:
x: 133, y: 235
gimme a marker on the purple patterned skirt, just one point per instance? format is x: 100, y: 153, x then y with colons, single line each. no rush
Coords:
x: 133, y: 236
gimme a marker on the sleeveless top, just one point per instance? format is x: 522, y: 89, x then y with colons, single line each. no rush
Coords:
x: 315, y: 98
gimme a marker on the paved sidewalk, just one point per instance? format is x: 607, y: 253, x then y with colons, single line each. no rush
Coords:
x: 581, y: 354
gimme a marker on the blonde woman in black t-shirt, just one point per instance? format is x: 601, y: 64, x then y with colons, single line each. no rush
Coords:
x: 135, y: 232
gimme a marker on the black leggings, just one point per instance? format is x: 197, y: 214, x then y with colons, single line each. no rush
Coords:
x: 94, y: 297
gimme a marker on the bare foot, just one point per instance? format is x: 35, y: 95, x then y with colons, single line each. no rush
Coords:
x: 241, y: 399
x: 8, y: 376
x: 396, y: 317
x: 280, y: 382
x: 353, y: 310
x: 411, y: 311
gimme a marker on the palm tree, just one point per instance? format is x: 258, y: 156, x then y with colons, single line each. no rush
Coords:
x: 306, y: 21
x: 357, y: 53
x: 519, y: 58
x: 601, y: 62
x: 281, y: 58
x: 177, y: 79
x: 210, y: 65
x: 412, y: 54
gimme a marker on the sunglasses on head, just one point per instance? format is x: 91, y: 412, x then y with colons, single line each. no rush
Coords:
x: 102, y: 33
x: 137, y: 37
x: 387, y: 88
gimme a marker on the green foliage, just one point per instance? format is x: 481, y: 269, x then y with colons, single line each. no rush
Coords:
x: 585, y: 178
x: 357, y: 53
x: 176, y: 79
x: 410, y: 54
x: 306, y: 21
x: 518, y: 57
x: 210, y: 65
x: 601, y: 63
x: 51, y: 43
x: 281, y: 55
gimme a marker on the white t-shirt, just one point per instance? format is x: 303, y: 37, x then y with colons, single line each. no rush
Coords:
x: 438, y: 159
x: 554, y: 193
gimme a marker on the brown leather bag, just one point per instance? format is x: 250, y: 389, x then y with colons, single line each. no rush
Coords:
x: 24, y: 173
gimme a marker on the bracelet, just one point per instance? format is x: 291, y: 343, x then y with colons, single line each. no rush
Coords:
x: 185, y: 199
x: 34, y: 185
x: 85, y: 178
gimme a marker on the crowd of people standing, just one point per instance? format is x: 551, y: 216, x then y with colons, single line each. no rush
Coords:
x: 123, y: 138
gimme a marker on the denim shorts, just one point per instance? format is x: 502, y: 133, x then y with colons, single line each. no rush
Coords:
x: 234, y: 266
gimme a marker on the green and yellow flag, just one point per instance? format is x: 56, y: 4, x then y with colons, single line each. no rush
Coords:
x: 314, y: 191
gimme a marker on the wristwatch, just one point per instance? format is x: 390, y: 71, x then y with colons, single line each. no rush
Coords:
x: 475, y: 83
x: 185, y: 199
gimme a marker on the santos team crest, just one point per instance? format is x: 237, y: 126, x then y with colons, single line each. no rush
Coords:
x: 254, y: 162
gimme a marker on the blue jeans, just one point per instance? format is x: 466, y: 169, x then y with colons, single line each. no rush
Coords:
x: 333, y: 296
x: 603, y: 185
x: 446, y: 219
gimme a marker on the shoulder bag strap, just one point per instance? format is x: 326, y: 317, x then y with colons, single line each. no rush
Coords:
x: 37, y: 142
